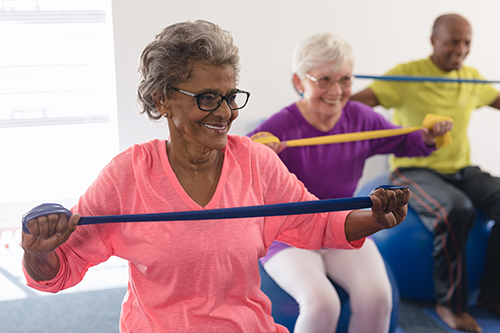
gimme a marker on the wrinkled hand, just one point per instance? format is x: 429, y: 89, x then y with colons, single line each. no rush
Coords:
x: 277, y: 147
x: 389, y: 207
x: 48, y: 233
x: 439, y: 129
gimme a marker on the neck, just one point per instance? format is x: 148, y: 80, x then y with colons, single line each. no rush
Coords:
x: 198, y: 173
x: 318, y: 120
x: 191, y: 159
x: 433, y: 59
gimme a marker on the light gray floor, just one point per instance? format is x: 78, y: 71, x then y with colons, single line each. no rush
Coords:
x: 94, y: 305
x: 84, y: 312
x: 99, y: 311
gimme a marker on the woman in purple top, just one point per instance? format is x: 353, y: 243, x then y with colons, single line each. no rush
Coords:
x: 322, y: 66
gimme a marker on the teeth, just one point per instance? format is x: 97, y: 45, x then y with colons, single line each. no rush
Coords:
x: 215, y: 127
x: 333, y: 101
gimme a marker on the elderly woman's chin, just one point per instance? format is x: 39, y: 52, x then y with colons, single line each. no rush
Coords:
x: 218, y: 142
x: 221, y: 143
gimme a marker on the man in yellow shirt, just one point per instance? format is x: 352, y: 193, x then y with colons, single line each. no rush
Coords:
x: 445, y: 186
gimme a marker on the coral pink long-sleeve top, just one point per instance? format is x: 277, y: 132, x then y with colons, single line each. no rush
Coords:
x: 192, y: 276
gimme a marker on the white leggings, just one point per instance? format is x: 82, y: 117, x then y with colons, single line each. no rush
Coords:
x: 361, y: 273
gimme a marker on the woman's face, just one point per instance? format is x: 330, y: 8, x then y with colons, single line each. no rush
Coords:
x: 198, y: 128
x: 327, y: 101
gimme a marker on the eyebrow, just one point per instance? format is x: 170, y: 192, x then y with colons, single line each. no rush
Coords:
x: 213, y: 91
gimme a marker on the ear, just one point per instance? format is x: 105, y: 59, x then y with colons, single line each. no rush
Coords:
x: 162, y: 106
x: 297, y: 84
x: 433, y: 40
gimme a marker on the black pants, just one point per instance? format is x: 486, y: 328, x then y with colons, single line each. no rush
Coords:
x: 446, y: 204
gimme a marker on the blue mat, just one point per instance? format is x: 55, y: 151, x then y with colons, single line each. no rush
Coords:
x: 488, y: 321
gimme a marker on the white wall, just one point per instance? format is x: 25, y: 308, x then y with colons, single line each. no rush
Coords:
x: 382, y: 34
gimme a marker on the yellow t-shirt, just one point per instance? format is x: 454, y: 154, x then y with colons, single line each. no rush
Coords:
x: 413, y: 100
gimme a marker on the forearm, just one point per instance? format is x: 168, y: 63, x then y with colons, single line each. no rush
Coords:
x: 41, y: 267
x: 360, y: 224
x: 367, y: 97
x: 496, y: 102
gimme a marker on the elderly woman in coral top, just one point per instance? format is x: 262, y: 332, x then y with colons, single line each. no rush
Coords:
x: 192, y: 276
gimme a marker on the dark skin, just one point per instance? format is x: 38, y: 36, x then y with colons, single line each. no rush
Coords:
x: 196, y: 136
x: 451, y: 41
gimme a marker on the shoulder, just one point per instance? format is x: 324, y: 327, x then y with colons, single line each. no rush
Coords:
x: 120, y: 178
x: 288, y: 111
x: 242, y: 150
x: 242, y: 146
x: 146, y: 155
x: 356, y: 107
x: 469, y: 72
x: 364, y: 117
x: 411, y: 67
x: 355, y: 112
x: 143, y: 151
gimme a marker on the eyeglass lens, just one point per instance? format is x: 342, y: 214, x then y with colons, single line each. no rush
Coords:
x: 210, y: 101
x: 327, y: 81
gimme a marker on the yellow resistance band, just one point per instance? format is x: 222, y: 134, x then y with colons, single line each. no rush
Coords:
x: 429, y: 121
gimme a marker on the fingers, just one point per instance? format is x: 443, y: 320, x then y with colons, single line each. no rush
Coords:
x: 72, y: 224
x: 273, y: 146
x: 47, y: 225
x: 269, y: 140
x: 406, y: 196
x: 389, y: 206
x: 391, y: 199
x: 442, y: 127
x: 428, y: 137
x: 439, y: 129
x: 277, y: 147
x: 282, y: 147
x: 48, y: 232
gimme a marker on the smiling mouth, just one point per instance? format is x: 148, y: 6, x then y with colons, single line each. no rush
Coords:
x: 219, y: 128
x: 330, y: 101
x: 457, y: 58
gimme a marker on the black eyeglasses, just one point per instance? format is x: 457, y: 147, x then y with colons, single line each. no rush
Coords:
x: 211, y: 101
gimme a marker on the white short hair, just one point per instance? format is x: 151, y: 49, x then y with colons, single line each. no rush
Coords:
x: 320, y: 49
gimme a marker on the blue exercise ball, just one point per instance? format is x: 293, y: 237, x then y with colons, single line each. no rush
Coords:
x: 285, y: 310
x: 408, y: 248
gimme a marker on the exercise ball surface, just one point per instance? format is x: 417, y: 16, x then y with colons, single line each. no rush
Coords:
x: 408, y: 249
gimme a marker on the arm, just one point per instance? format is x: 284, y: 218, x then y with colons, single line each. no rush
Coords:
x: 54, y: 248
x: 367, y: 97
x: 496, y: 103
x: 47, y: 234
x: 388, y: 210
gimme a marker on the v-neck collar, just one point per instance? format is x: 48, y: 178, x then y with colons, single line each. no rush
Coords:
x: 180, y: 190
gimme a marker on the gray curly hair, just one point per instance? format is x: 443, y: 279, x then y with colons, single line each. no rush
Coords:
x: 169, y: 59
x: 320, y: 49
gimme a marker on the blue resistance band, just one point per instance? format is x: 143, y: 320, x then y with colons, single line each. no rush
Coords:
x: 421, y: 78
x: 289, y: 208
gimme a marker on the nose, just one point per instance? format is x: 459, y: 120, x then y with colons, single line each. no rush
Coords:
x: 463, y: 47
x: 336, y: 87
x: 223, y: 111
